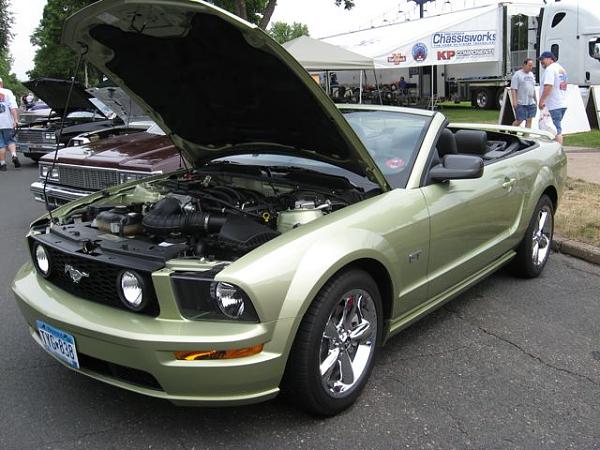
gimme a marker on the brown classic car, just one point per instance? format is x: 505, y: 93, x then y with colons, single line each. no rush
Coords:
x: 96, y: 165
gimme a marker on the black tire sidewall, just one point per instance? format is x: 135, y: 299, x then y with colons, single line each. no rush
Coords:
x: 318, y: 400
x: 525, y: 265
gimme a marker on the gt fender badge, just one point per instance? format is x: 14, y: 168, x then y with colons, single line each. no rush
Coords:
x: 76, y: 275
x: 414, y: 256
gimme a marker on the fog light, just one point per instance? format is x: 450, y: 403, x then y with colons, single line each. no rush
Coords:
x: 41, y: 259
x: 131, y: 290
x: 202, y: 355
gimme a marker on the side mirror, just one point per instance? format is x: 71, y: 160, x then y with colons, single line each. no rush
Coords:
x: 457, y: 167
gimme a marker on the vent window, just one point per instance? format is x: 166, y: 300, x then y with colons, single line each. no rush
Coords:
x: 558, y: 18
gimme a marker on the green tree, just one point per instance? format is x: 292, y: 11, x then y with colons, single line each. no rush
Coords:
x: 283, y: 32
x: 6, y: 22
x: 260, y: 12
x: 52, y: 59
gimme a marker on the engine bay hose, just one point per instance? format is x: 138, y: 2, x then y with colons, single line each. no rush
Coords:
x: 166, y: 217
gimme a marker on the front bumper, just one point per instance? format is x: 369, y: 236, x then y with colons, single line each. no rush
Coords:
x: 127, y: 340
x: 36, y: 150
x: 57, y: 195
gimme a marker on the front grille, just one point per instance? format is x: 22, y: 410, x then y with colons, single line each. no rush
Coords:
x: 123, y: 373
x: 35, y: 136
x: 100, y: 285
x: 91, y: 179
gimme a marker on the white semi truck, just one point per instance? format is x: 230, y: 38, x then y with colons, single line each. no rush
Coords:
x: 568, y: 28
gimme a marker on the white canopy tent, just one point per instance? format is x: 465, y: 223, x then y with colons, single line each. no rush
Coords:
x: 319, y: 56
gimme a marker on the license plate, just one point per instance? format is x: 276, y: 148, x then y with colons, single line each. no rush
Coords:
x: 22, y: 147
x: 58, y: 343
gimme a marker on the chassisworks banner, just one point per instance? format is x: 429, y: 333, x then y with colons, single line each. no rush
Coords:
x: 463, y: 38
x: 466, y: 36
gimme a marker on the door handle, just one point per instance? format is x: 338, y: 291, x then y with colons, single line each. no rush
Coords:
x: 508, y: 183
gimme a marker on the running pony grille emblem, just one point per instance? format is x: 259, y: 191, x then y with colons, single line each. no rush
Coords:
x: 75, y: 275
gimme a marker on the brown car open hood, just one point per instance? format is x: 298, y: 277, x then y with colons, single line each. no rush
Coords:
x: 215, y: 84
x: 137, y: 152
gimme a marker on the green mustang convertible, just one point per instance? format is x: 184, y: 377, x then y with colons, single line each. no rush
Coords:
x: 302, y: 237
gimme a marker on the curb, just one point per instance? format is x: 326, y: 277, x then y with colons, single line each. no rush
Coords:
x: 573, y: 149
x: 576, y: 249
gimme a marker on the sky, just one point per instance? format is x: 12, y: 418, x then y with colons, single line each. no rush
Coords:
x: 322, y: 17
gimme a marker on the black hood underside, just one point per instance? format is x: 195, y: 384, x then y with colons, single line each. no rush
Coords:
x: 213, y: 89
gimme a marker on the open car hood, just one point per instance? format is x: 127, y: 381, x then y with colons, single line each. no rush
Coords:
x: 54, y: 93
x: 215, y: 84
x: 120, y: 103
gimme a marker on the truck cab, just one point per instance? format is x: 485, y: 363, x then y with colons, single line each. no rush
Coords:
x: 571, y: 30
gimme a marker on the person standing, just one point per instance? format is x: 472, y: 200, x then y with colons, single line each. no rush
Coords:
x: 8, y: 125
x: 522, y: 88
x: 554, y: 91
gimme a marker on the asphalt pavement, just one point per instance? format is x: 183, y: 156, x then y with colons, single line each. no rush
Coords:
x: 509, y: 364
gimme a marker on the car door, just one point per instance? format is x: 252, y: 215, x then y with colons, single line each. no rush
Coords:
x: 471, y: 222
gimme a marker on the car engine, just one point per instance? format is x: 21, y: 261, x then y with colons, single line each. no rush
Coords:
x: 197, y: 215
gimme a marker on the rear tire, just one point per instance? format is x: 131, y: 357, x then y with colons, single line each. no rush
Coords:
x: 484, y: 98
x: 333, y: 353
x: 534, y: 249
x: 499, y: 98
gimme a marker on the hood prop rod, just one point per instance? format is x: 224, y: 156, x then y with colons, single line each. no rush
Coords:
x: 62, y: 125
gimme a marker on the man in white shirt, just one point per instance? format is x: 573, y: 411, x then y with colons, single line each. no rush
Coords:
x: 8, y: 126
x: 554, y: 93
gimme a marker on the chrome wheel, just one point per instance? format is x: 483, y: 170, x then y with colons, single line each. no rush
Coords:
x: 348, y: 342
x: 542, y: 236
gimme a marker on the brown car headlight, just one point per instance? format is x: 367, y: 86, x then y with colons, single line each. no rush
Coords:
x: 200, y: 297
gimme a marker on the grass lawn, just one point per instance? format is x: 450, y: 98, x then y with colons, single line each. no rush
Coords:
x: 590, y: 139
x: 578, y: 215
x: 457, y: 113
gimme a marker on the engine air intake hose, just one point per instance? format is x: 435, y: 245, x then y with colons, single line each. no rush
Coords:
x: 166, y: 217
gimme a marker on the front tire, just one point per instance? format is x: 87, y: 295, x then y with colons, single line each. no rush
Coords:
x: 534, y: 249
x: 333, y: 353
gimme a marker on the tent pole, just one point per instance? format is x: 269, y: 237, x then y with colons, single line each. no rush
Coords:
x: 360, y: 89
x: 377, y: 87
x: 432, y: 87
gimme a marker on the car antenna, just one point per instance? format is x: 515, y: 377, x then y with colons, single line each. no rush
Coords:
x: 62, y: 125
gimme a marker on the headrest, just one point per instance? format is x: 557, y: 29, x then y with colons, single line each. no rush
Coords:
x: 472, y: 142
x: 446, y: 144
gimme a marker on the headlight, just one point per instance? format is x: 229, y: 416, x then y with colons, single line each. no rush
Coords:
x: 51, y: 172
x: 50, y: 136
x: 41, y: 259
x: 126, y: 177
x: 131, y: 290
x: 229, y: 299
x: 200, y: 297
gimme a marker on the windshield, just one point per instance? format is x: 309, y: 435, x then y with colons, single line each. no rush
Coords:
x: 392, y: 138
x: 269, y: 160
